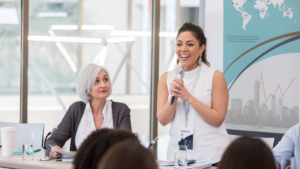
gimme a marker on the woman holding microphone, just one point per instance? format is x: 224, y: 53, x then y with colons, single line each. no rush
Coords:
x: 201, y: 100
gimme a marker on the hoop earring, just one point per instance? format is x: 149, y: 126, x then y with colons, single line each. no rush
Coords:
x: 200, y: 59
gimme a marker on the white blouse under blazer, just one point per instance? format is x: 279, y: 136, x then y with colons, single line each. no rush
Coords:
x: 209, y: 141
x: 87, y: 124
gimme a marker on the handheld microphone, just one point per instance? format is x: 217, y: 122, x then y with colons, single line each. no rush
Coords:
x: 179, y: 76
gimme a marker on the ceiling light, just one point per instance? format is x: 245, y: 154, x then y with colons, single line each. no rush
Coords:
x: 120, y: 39
x: 64, y: 27
x: 142, y: 33
x: 130, y: 33
x: 64, y: 39
x: 97, y: 27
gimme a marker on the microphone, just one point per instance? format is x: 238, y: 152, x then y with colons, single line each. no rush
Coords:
x: 179, y: 76
x: 47, y: 137
x: 44, y: 158
x: 152, y: 143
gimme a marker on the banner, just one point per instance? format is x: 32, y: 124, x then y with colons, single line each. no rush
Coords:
x: 261, y: 44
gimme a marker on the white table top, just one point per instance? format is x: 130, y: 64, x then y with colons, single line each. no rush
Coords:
x: 16, y: 161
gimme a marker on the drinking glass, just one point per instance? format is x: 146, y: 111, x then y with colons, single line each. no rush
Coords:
x: 287, y: 163
x: 27, y: 147
x: 181, y: 156
x: 7, y: 139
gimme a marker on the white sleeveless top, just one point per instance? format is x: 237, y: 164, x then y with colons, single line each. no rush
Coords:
x: 209, y: 141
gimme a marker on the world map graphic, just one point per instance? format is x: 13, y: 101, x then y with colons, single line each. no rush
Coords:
x: 261, y: 7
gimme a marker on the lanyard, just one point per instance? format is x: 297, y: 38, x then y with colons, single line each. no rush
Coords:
x: 187, y: 105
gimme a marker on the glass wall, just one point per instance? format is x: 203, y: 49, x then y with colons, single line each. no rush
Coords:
x: 116, y: 34
x: 118, y: 40
x: 173, y: 14
x: 10, y: 28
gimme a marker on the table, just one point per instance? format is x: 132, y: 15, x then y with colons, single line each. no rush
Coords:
x: 16, y: 161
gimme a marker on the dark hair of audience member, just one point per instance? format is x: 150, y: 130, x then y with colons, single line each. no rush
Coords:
x: 96, y: 144
x: 129, y: 154
x: 247, y: 153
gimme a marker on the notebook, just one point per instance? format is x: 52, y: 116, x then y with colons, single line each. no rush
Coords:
x: 18, y: 151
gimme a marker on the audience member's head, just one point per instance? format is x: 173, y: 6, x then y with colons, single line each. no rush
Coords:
x: 129, y: 154
x: 247, y: 153
x: 96, y: 144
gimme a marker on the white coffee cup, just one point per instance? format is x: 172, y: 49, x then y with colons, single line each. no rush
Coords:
x: 7, y: 139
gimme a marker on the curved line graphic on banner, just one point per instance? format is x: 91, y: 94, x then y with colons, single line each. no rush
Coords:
x: 269, y: 50
x: 263, y: 43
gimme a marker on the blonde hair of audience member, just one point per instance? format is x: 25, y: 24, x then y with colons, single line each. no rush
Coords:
x: 129, y: 154
x: 247, y: 153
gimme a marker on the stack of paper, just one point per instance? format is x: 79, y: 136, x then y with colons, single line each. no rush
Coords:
x: 192, y: 164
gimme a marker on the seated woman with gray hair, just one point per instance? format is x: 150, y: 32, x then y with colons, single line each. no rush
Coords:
x: 94, y: 111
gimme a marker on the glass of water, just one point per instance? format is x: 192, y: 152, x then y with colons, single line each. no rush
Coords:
x: 287, y: 163
x: 181, y: 156
x: 27, y: 147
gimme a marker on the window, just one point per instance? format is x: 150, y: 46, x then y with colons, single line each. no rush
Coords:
x: 10, y: 28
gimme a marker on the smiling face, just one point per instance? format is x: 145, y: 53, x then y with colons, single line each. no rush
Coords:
x: 100, y: 89
x: 188, y: 50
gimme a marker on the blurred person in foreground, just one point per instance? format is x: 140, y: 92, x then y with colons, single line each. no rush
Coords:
x: 289, y: 146
x: 96, y: 145
x: 129, y: 154
x: 247, y: 153
x: 94, y: 111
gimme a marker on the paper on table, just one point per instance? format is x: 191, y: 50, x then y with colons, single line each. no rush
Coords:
x: 65, y: 159
x: 194, y: 165
x: 172, y: 163
x: 64, y: 153
x: 200, y: 165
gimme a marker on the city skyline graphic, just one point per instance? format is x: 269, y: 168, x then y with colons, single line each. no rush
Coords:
x: 256, y: 97
x: 266, y: 96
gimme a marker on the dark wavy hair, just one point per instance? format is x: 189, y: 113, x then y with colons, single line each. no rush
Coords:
x: 198, y: 33
x: 96, y: 144
x: 247, y: 153
x: 137, y: 157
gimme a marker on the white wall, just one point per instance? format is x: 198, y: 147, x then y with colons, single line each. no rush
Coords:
x: 214, y: 32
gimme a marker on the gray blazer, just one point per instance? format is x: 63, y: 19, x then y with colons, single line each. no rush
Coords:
x: 69, y: 124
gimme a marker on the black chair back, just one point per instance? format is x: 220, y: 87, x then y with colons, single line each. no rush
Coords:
x: 277, y: 136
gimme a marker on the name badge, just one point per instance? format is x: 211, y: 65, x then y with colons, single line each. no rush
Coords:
x: 186, y: 136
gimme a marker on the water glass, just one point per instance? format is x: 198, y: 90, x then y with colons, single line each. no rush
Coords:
x: 287, y: 163
x: 181, y: 156
x: 27, y: 147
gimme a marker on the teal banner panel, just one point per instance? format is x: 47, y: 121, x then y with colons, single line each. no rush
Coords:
x: 261, y: 64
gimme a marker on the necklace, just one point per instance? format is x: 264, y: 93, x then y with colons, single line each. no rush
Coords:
x: 101, y: 118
